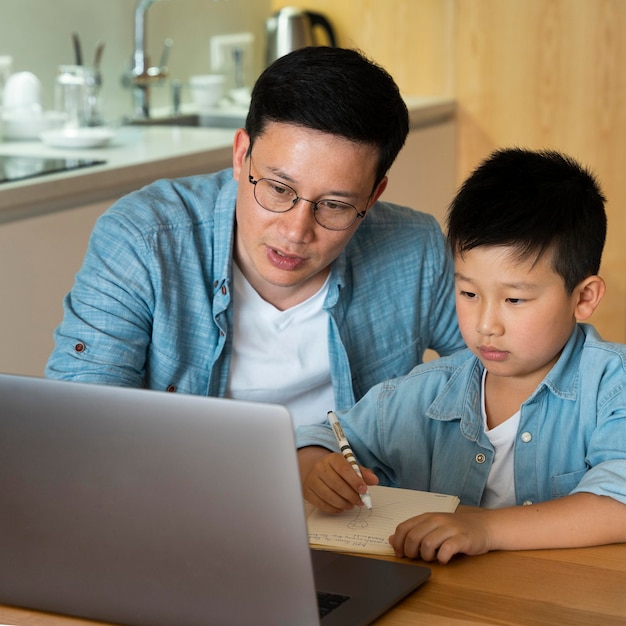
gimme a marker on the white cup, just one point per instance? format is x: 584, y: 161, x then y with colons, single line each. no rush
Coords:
x: 22, y: 93
x: 207, y: 90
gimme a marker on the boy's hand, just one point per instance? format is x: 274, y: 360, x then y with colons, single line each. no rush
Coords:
x: 329, y: 482
x: 440, y: 536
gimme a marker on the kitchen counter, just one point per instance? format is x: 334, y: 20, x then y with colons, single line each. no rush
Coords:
x: 137, y: 156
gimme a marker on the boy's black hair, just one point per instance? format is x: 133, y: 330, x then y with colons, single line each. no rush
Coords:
x: 335, y: 90
x: 535, y: 202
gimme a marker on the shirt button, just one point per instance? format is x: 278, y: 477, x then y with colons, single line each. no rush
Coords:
x: 171, y: 388
x: 223, y: 290
x: 79, y: 347
x: 527, y: 502
x: 526, y: 437
x: 480, y: 458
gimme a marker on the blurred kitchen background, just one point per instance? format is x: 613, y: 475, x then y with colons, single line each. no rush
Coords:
x: 535, y: 73
x: 37, y: 34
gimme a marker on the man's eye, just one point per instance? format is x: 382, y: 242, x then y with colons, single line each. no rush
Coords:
x: 334, y: 205
x: 468, y: 294
x: 279, y: 190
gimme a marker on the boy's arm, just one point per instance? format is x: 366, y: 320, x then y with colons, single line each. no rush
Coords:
x: 577, y: 520
x: 329, y: 482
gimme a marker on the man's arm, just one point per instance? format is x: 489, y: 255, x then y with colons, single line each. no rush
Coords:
x: 577, y: 520
x: 107, y: 320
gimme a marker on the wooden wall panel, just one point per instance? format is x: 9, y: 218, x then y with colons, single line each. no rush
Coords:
x: 550, y: 74
x: 536, y: 73
x: 412, y: 39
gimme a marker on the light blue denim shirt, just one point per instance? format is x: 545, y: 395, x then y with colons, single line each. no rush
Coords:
x: 425, y: 430
x: 151, y: 305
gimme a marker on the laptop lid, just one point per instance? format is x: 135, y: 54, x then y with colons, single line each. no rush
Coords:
x: 151, y: 509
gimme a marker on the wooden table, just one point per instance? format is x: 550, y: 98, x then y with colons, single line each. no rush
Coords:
x: 551, y: 587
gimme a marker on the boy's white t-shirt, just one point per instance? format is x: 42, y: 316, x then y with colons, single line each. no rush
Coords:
x: 281, y: 357
x: 500, y: 489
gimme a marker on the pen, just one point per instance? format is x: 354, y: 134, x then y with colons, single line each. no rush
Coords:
x: 348, y: 455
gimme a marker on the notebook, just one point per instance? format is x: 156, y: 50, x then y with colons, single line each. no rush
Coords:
x: 146, y: 508
x: 367, y: 531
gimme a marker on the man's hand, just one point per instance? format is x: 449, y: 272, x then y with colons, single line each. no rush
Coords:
x: 329, y: 482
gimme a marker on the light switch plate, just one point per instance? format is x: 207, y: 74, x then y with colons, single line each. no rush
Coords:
x: 225, y: 50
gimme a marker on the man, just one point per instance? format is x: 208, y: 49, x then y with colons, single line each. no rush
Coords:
x: 281, y: 279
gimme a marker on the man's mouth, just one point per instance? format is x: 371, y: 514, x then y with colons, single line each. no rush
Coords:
x: 284, y: 261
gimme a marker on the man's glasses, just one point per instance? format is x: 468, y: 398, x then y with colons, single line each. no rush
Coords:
x: 274, y: 196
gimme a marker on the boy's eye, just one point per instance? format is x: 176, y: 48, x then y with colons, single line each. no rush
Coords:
x: 515, y: 300
x: 468, y: 294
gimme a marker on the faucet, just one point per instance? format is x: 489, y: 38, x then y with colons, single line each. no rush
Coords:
x: 142, y: 75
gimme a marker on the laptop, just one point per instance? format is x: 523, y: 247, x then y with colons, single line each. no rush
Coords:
x: 146, y: 508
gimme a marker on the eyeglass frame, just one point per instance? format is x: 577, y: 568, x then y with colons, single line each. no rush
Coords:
x: 358, y: 214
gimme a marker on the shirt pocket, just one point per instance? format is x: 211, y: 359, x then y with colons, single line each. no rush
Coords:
x: 165, y: 373
x: 563, y: 484
x: 385, y: 363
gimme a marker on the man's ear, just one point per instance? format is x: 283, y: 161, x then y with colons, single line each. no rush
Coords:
x: 590, y: 292
x: 241, y: 143
x: 377, y: 192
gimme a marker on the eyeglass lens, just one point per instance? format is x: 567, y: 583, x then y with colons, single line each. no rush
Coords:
x: 279, y: 198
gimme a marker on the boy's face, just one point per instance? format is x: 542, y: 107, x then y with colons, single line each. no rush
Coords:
x: 514, y: 315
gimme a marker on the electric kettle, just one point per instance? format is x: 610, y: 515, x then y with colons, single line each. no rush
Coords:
x: 291, y: 28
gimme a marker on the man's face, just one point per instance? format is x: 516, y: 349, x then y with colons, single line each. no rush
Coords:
x: 287, y: 256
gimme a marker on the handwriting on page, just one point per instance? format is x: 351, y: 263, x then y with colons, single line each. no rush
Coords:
x: 362, y: 530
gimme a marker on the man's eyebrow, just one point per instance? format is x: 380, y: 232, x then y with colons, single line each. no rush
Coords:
x: 282, y: 175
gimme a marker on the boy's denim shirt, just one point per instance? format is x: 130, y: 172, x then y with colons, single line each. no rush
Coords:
x: 425, y: 430
x: 151, y: 305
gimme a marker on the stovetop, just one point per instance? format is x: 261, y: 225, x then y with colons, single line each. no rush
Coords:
x: 18, y: 167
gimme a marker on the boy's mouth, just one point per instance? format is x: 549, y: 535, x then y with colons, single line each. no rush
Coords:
x: 490, y: 353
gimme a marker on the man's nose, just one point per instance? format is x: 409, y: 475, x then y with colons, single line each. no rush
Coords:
x: 299, y: 221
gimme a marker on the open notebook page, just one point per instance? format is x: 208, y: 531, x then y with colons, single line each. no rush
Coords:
x: 361, y: 530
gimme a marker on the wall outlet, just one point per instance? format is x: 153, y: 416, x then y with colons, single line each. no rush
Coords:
x: 231, y: 55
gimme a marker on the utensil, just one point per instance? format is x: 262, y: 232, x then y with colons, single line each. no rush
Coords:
x: 292, y: 28
x: 78, y: 52
x: 96, y: 64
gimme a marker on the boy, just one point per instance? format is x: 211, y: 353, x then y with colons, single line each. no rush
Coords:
x: 528, y: 423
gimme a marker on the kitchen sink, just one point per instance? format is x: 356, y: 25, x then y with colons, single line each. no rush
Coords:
x: 220, y: 118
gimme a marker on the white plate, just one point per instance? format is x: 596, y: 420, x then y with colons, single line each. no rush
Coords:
x: 78, y: 137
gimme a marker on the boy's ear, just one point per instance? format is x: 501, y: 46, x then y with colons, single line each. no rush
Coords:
x: 590, y: 292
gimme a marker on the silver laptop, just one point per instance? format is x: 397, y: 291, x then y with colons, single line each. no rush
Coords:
x: 152, y: 509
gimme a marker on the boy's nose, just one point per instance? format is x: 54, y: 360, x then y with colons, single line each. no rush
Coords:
x: 488, y: 322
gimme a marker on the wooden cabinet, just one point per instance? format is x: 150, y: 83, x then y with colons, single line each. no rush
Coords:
x: 424, y: 174
x: 38, y: 260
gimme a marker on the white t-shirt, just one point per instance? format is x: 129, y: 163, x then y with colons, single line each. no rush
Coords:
x: 281, y: 356
x: 500, y: 490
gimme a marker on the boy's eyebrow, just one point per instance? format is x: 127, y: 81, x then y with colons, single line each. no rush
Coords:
x: 514, y: 285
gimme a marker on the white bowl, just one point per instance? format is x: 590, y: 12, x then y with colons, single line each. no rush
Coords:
x: 25, y: 125
x: 207, y: 89
x: 90, y: 137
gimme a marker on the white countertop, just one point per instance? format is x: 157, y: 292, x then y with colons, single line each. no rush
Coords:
x: 137, y: 156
